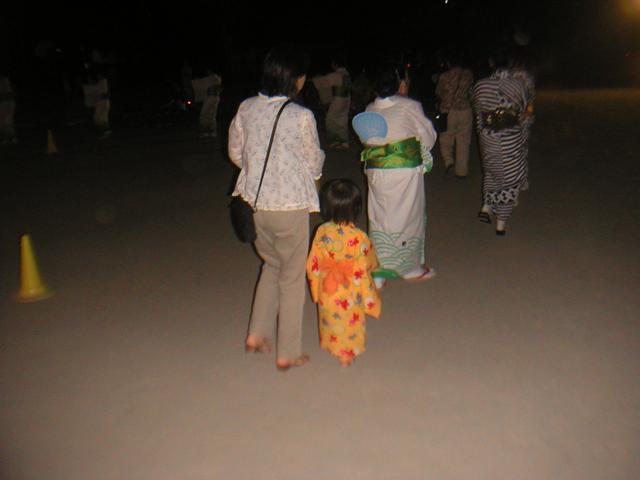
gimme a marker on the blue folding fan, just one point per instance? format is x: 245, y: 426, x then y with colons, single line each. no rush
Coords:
x: 369, y: 125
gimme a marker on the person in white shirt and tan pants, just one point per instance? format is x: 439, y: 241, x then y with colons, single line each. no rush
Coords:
x: 287, y: 196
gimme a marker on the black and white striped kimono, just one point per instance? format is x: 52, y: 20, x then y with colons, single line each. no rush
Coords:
x: 504, y: 152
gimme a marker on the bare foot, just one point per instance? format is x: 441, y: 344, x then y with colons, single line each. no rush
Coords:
x: 346, y: 361
x: 284, y: 364
x: 255, y: 344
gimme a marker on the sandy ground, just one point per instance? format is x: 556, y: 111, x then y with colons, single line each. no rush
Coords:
x: 520, y: 360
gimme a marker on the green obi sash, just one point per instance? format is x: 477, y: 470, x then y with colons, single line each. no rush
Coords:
x: 402, y: 154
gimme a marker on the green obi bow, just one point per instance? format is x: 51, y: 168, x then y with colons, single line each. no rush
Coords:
x: 402, y: 154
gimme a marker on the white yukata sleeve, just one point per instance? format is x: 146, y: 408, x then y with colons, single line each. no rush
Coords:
x: 426, y: 133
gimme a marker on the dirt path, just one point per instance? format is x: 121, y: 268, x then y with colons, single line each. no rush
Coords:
x: 519, y: 360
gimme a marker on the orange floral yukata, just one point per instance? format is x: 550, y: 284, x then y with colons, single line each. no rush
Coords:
x: 339, y: 271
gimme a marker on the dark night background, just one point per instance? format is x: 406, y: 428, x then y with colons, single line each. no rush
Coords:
x: 584, y: 43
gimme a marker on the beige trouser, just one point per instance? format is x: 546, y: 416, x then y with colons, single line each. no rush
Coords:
x: 458, y: 137
x: 283, y: 244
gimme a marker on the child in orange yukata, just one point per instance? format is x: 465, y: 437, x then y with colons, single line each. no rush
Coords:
x: 339, y: 271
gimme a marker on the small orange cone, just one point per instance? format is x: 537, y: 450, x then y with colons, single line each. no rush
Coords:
x: 31, y: 287
x: 51, y: 145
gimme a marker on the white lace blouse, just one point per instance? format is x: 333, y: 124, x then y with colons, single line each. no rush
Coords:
x: 295, y: 161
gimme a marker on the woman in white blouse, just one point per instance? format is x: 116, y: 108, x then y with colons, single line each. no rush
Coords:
x: 287, y: 196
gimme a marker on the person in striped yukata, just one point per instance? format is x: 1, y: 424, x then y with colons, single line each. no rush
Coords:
x: 501, y: 104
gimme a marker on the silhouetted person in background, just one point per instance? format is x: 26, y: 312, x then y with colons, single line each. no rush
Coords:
x: 452, y: 92
x: 97, y: 97
x: 206, y: 89
x: 335, y: 90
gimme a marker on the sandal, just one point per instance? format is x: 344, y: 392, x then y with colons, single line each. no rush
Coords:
x: 261, y: 346
x: 427, y: 274
x: 296, y: 362
x: 484, y: 217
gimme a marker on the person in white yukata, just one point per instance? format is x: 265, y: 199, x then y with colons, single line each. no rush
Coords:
x: 97, y: 97
x: 398, y: 138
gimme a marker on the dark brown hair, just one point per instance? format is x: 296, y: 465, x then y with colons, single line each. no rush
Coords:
x: 281, y: 68
x: 340, y: 201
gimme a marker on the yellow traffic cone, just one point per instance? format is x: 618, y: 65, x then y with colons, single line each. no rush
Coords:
x: 31, y: 287
x: 51, y: 145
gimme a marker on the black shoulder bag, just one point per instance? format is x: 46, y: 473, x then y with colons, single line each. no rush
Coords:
x: 241, y: 211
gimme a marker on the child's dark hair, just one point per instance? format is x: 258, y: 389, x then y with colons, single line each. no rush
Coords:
x: 340, y: 201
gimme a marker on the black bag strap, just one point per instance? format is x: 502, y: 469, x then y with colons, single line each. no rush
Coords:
x: 266, y: 159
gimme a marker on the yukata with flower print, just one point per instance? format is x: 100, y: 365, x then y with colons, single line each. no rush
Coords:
x: 339, y: 271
